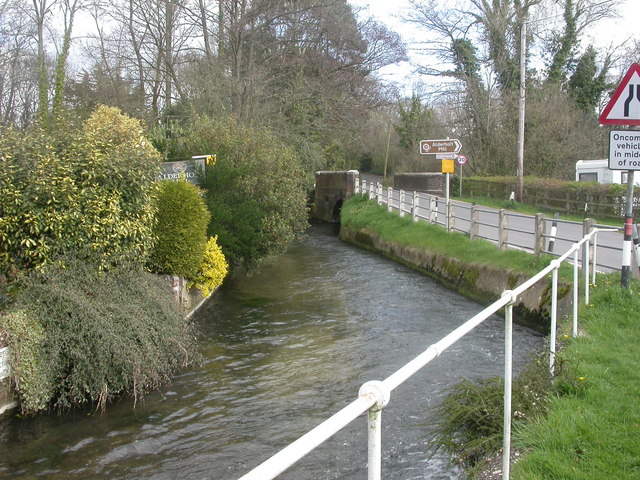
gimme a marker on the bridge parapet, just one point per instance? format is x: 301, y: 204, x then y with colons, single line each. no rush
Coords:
x: 430, y: 182
x: 332, y: 189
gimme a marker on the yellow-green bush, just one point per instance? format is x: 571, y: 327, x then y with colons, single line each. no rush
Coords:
x: 213, y: 270
x: 89, y: 190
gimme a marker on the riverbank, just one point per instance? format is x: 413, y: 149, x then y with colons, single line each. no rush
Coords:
x: 589, y: 428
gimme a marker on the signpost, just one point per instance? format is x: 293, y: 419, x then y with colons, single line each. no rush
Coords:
x: 446, y: 150
x: 624, y: 149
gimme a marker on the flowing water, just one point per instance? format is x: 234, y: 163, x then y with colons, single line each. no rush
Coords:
x: 284, y: 349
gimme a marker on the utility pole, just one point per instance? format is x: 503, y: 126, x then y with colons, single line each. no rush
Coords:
x: 521, y: 110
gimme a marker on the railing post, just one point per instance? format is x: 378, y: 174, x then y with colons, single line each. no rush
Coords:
x: 594, y: 260
x: 587, y: 226
x: 379, y: 193
x: 540, y: 231
x: 586, y: 246
x: 554, y: 317
x: 508, y: 373
x: 389, y: 197
x: 374, y: 422
x: 503, y: 223
x: 474, y: 228
x: 416, y: 205
x: 357, y: 188
x: 401, y: 206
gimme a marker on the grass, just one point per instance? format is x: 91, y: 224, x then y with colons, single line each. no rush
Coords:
x: 592, y: 432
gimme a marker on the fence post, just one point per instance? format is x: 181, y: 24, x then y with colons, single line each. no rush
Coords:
x: 379, y: 193
x: 540, y: 231
x: 474, y: 228
x: 401, y: 206
x: 451, y: 214
x: 389, y: 198
x: 503, y: 223
x: 357, y: 189
x: 554, y: 232
x: 416, y: 204
x: 433, y: 209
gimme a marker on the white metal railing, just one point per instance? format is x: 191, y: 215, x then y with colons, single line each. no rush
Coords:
x: 373, y: 396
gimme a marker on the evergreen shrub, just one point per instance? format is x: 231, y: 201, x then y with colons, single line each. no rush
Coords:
x: 84, y: 188
x: 256, y: 192
x: 180, y: 229
x: 85, y: 336
x: 213, y: 269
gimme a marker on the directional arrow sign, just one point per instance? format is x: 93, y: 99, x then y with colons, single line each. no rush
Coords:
x: 432, y: 147
x: 624, y: 106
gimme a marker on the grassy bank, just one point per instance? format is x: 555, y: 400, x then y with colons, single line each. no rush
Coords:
x: 361, y: 213
x: 588, y: 421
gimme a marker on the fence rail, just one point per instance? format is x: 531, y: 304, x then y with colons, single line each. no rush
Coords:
x: 373, y: 396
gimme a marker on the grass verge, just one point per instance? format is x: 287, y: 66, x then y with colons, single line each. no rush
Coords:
x: 358, y: 212
x: 591, y: 431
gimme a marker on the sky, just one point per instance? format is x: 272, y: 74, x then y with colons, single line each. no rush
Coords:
x: 604, y: 34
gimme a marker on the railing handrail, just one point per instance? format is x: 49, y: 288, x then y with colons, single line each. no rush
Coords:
x: 374, y: 395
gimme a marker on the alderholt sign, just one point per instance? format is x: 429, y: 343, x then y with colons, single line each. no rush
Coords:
x: 191, y: 169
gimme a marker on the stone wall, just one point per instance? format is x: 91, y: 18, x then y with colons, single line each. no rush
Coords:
x: 481, y: 283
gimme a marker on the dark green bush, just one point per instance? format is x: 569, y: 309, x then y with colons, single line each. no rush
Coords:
x: 181, y: 229
x: 82, y: 336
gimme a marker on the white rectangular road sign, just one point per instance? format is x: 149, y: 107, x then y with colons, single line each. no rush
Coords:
x: 624, y: 150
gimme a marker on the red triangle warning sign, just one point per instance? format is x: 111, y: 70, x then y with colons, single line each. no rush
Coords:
x: 624, y: 106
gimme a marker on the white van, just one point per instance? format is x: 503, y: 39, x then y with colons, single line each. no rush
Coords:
x: 598, y: 171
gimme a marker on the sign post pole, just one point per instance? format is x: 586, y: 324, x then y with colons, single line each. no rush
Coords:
x: 461, y: 161
x: 628, y: 233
